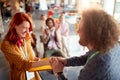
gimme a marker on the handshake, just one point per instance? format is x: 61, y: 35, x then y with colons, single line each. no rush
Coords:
x: 55, y: 63
x: 58, y: 64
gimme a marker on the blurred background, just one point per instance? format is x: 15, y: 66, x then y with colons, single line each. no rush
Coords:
x: 71, y: 9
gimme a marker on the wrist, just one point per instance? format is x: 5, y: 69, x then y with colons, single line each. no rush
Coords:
x: 61, y: 76
x: 58, y: 73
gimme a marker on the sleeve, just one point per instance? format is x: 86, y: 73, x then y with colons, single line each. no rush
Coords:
x: 34, y: 39
x: 45, y: 37
x: 77, y: 61
x: 61, y: 76
x: 13, y: 57
x: 30, y: 51
x: 93, y: 70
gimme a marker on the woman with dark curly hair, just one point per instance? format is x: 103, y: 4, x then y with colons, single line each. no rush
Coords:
x: 51, y: 38
x: 99, y: 32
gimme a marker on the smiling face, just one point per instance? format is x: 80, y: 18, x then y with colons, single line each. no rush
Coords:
x: 50, y: 24
x: 22, y: 29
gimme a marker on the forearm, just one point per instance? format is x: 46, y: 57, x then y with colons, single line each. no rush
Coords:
x: 77, y: 61
x: 40, y: 63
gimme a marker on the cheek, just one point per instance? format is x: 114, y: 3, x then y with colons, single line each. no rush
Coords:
x: 81, y: 36
x: 23, y: 30
x: 51, y: 24
x: 20, y: 31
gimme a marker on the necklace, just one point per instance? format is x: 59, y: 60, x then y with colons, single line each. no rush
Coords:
x: 30, y: 75
x: 93, y: 55
x: 24, y: 52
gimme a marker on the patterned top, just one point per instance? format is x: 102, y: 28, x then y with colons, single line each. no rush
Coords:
x: 52, y: 44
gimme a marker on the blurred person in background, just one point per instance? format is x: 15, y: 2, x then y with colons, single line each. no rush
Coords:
x: 51, y: 38
x: 42, y: 24
x: 50, y: 12
x: 76, y: 26
x: 63, y: 26
x: 99, y: 32
x: 42, y: 28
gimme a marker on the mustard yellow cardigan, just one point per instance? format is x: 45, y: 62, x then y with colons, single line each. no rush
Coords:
x: 17, y: 62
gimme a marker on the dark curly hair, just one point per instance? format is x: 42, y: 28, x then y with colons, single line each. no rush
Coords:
x: 50, y: 19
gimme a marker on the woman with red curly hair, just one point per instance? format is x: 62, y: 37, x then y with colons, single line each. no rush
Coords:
x: 17, y: 49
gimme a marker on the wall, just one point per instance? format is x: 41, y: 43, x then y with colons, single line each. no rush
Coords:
x: 108, y: 5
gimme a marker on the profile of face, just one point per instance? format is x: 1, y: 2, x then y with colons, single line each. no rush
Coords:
x: 50, y: 24
x: 82, y: 40
x: 22, y: 29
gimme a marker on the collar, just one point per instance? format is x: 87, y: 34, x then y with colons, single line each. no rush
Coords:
x: 20, y: 42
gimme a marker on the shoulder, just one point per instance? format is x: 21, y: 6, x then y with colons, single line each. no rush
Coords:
x: 102, y: 65
x: 110, y: 55
x: 6, y: 43
x: 107, y: 60
x: 7, y: 46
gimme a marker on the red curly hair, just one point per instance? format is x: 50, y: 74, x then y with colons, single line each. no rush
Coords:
x: 16, y: 20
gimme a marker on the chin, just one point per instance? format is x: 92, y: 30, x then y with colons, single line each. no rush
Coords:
x: 82, y: 43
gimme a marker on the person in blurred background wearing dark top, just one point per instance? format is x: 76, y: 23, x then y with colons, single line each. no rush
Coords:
x: 99, y: 32
x: 17, y: 49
